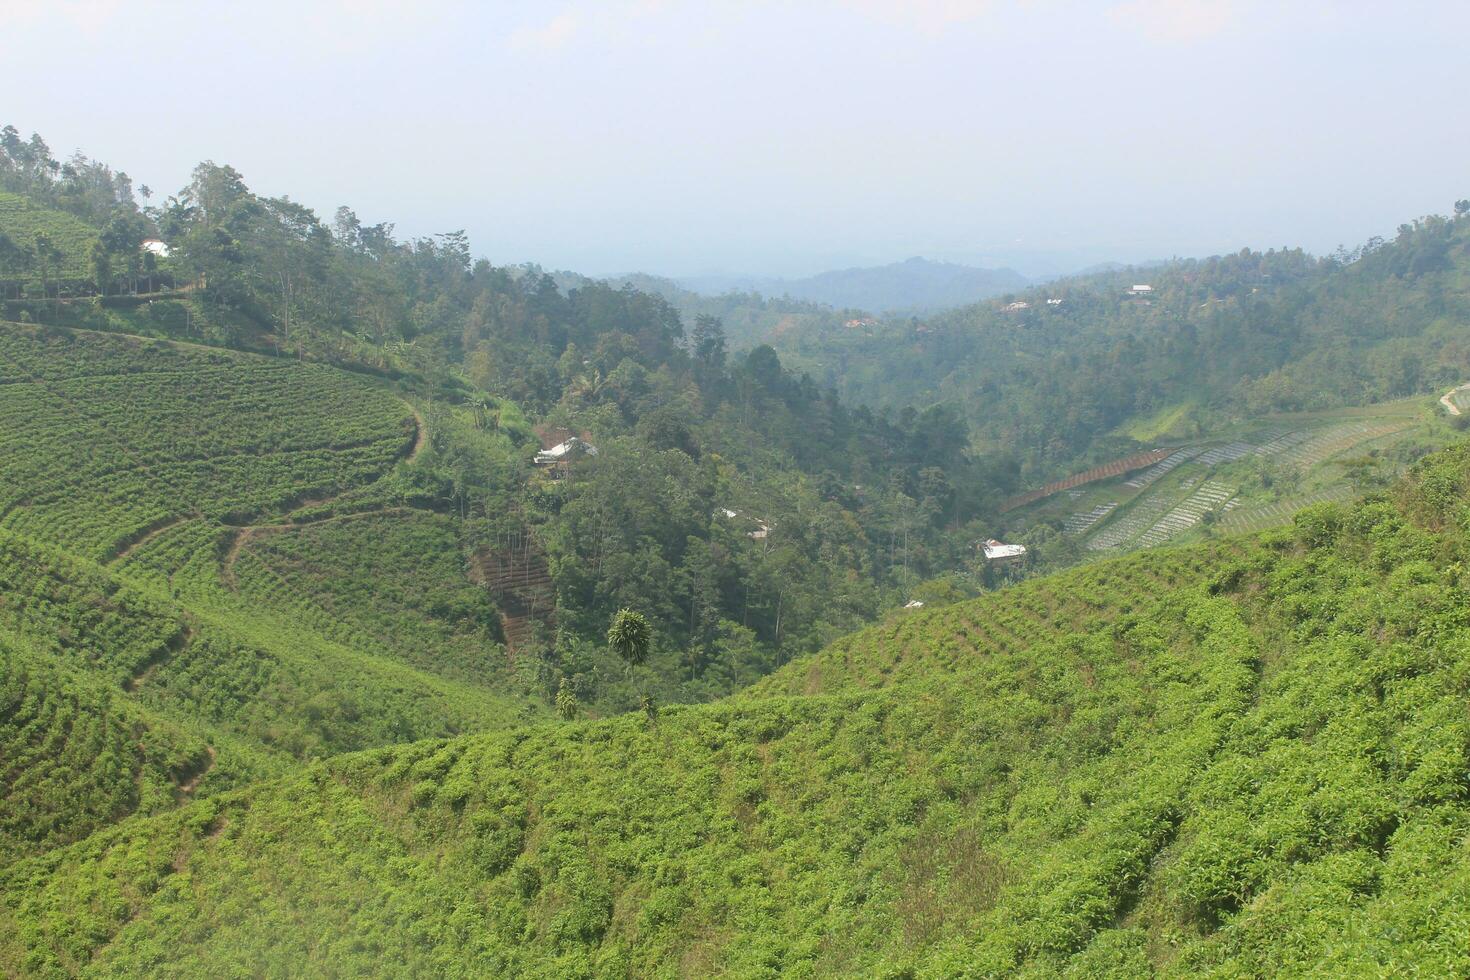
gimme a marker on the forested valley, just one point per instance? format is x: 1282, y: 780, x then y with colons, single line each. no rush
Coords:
x: 363, y: 603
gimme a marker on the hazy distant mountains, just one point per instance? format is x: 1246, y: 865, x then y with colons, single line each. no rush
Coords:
x: 917, y: 285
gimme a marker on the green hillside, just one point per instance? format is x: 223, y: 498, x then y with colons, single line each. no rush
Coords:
x: 1080, y: 367
x: 305, y: 658
x: 1248, y: 760
x: 148, y: 659
x: 69, y: 241
x: 1249, y: 476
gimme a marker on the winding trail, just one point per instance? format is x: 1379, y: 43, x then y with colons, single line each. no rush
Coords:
x: 422, y: 438
x: 188, y: 786
x: 1448, y: 399
x: 148, y: 535
x: 243, y: 535
x: 162, y: 655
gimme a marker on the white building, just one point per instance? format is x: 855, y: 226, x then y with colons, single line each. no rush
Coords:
x: 565, y: 451
x: 156, y: 246
x: 1141, y: 289
x: 995, y: 551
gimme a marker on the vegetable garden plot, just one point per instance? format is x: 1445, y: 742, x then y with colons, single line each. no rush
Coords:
x: 1082, y: 522
x: 1340, y: 438
x: 1284, y: 442
x: 1226, y: 454
x: 1162, y: 468
x: 1210, y: 496
x: 1143, y: 513
x: 1280, y: 511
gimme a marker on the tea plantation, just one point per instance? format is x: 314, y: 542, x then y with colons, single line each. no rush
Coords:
x: 1241, y: 759
x: 135, y: 676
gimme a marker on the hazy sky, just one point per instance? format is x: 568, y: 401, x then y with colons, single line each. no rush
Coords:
x: 778, y: 138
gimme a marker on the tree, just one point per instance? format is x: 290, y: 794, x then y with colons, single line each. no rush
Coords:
x: 101, y: 267
x: 47, y: 257
x: 628, y: 637
x: 708, y: 340
x: 567, y: 704
x: 1462, y: 207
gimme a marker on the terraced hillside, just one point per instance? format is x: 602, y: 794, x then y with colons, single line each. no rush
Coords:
x: 1250, y: 478
x: 181, y: 607
x: 109, y: 439
x: 1242, y: 760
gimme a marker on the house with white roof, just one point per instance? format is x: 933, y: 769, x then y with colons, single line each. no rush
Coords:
x: 996, y: 551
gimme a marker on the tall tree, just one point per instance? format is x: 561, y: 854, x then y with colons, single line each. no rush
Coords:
x: 629, y: 637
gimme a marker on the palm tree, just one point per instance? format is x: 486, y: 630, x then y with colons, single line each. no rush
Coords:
x: 567, y: 705
x: 628, y: 637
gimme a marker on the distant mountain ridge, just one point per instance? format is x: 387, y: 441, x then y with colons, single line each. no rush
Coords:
x: 914, y: 285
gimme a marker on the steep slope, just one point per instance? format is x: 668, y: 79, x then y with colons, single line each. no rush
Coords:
x: 163, y: 634
x: 38, y: 243
x: 1242, y: 761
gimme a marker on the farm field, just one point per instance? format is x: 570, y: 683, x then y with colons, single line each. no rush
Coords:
x: 1165, y: 763
x: 167, y: 629
x: 1253, y: 478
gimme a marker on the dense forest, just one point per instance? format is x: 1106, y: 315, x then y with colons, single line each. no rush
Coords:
x: 858, y: 510
x: 1052, y: 373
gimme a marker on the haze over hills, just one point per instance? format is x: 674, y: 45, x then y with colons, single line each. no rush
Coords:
x: 913, y: 286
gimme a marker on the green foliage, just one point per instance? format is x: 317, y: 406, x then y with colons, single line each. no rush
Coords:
x: 253, y: 684
x: 79, y: 756
x: 1251, y: 334
x: 629, y: 637
x: 37, y: 243
x: 1245, y: 759
x: 111, y: 438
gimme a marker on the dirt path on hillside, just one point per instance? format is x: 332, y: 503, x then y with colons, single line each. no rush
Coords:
x: 422, y: 438
x: 1448, y: 399
x: 188, y: 786
x: 243, y: 535
x: 147, y: 536
x: 161, y: 656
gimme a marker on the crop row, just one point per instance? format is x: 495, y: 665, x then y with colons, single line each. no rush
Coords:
x: 997, y: 623
x: 1280, y: 511
x: 1211, y: 495
x: 1228, y: 453
x: 1082, y: 522
x: 94, y: 460
x: 1141, y: 516
x: 76, y: 756
x: 1161, y: 469
x: 1339, y: 438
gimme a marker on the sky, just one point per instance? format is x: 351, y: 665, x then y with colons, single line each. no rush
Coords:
x: 778, y: 138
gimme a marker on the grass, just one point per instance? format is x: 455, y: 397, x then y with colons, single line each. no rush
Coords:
x: 1160, y: 425
x: 293, y: 747
x: 1289, y: 462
